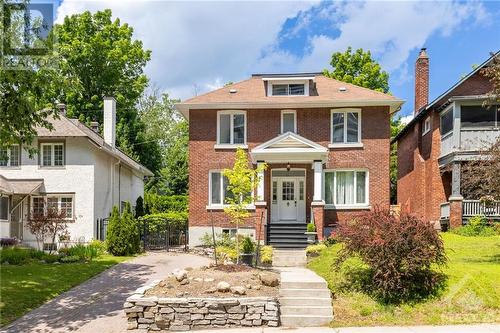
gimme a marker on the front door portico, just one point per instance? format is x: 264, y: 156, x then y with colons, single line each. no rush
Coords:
x: 288, y: 196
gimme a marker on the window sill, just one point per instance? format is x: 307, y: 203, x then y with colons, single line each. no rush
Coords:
x: 423, y: 134
x: 446, y: 135
x: 221, y: 207
x: 230, y: 146
x: 479, y: 128
x: 345, y: 145
x: 347, y: 207
x: 52, y: 167
x: 7, y: 167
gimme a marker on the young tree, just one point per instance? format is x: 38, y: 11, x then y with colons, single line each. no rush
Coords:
x: 242, y: 183
x: 358, y: 68
x: 396, y: 126
x: 49, y: 225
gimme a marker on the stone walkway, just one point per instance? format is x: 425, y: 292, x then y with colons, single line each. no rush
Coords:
x: 96, y: 305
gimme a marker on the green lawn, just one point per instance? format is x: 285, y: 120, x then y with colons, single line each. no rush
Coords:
x: 472, y: 294
x: 25, y: 287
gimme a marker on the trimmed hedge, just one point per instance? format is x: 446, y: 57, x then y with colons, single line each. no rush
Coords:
x: 123, y: 236
x: 155, y: 203
x: 176, y: 219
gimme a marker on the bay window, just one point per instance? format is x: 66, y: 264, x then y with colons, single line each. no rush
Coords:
x: 231, y: 127
x: 346, y: 188
x: 479, y: 116
x: 60, y: 203
x: 345, y: 126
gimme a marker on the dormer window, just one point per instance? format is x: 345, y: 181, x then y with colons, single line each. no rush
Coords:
x: 293, y: 89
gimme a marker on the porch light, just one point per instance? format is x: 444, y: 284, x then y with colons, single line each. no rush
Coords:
x: 288, y: 166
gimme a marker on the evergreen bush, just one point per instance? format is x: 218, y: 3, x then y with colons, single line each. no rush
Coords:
x: 123, y: 236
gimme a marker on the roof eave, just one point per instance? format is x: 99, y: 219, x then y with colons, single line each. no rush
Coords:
x: 184, y: 108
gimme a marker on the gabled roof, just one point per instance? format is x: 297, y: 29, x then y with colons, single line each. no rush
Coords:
x: 426, y: 109
x: 65, y: 127
x: 325, y: 92
x: 289, y: 147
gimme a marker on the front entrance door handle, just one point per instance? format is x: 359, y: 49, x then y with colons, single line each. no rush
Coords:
x: 295, y: 203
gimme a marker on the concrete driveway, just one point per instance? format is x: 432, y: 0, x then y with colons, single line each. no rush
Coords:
x: 96, y: 305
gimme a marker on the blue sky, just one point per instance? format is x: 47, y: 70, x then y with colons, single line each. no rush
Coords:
x: 198, y: 46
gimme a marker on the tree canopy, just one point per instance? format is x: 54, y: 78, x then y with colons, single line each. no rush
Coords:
x: 358, y: 68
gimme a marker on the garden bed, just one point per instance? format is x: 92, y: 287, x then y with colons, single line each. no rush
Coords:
x: 203, y: 282
x: 217, y: 296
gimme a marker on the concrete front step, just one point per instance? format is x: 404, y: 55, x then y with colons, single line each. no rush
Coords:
x: 305, y: 321
x: 289, y: 258
x: 304, y: 285
x: 307, y: 310
x: 305, y: 301
x: 305, y: 293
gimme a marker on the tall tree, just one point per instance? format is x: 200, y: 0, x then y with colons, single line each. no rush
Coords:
x: 492, y: 72
x: 165, y: 125
x: 23, y: 91
x: 100, y: 58
x: 358, y: 68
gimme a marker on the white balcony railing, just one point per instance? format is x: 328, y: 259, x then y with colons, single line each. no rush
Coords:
x: 475, y: 207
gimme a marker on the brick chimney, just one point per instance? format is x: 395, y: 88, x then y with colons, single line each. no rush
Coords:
x: 421, y: 80
x: 110, y: 121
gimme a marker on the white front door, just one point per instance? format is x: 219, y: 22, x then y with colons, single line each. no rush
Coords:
x: 288, y: 199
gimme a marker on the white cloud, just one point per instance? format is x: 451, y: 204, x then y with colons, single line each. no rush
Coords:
x: 406, y: 119
x: 198, y: 46
x: 202, y: 44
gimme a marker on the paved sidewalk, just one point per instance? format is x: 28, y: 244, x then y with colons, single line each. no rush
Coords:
x: 480, y: 328
x: 96, y: 305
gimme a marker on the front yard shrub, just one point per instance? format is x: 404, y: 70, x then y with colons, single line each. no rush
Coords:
x: 223, y: 239
x: 69, y: 259
x: 84, y: 252
x: 8, y: 242
x: 51, y: 258
x: 315, y: 249
x: 399, y: 251
x: 266, y: 254
x: 227, y: 253
x: 19, y: 256
x: 247, y: 246
x: 476, y: 226
x: 100, y: 247
x: 123, y: 233
x: 311, y: 227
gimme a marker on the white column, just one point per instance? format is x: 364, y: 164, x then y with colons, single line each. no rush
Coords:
x: 318, y: 180
x: 457, y: 115
x: 260, y: 186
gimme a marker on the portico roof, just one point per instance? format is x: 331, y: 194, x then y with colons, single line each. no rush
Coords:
x: 20, y: 186
x: 289, y: 147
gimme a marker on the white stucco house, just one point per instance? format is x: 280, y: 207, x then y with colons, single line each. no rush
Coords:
x: 76, y: 169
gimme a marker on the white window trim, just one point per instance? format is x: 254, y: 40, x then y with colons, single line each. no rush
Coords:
x: 9, y: 156
x: 294, y: 112
x: 58, y: 196
x: 334, y: 206
x: 345, y: 144
x: 231, y: 145
x: 8, y: 209
x: 427, y: 126
x: 217, y: 206
x: 288, y: 82
x: 52, y: 154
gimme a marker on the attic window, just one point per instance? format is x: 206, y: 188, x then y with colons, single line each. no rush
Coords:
x: 293, y: 89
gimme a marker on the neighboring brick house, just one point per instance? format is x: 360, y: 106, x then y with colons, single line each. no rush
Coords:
x: 75, y: 170
x: 443, y: 134
x: 326, y: 144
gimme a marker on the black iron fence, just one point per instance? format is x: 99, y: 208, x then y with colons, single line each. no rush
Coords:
x: 101, y: 229
x: 163, y: 236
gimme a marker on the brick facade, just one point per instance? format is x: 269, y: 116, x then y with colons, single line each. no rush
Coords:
x: 264, y: 125
x: 422, y: 184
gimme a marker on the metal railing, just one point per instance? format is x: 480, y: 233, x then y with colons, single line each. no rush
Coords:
x: 476, y: 207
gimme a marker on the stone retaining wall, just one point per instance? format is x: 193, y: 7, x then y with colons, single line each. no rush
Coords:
x: 151, y: 313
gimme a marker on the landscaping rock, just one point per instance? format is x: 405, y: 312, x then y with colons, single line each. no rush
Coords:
x: 238, y: 290
x: 223, y: 286
x: 184, y: 282
x: 208, y: 279
x: 180, y: 274
x: 270, y: 280
x: 211, y: 290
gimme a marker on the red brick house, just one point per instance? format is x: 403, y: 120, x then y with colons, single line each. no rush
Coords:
x: 444, y: 134
x: 326, y: 144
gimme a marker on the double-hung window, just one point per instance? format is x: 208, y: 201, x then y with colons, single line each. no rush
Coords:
x: 10, y: 156
x: 60, y: 203
x: 345, y: 126
x: 218, y: 193
x: 426, y: 126
x: 285, y: 89
x: 231, y: 128
x: 288, y: 121
x: 52, y: 154
x: 446, y: 125
x: 346, y: 188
